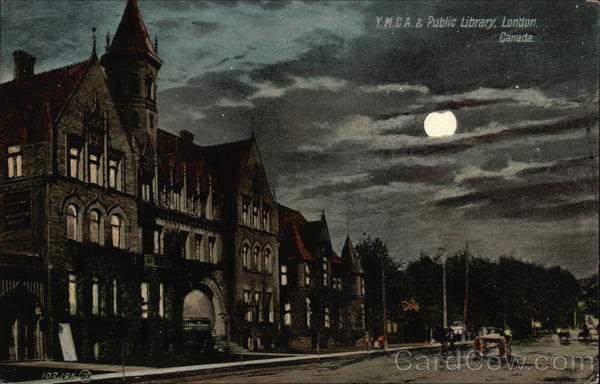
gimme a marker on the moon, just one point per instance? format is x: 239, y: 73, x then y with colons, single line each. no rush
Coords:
x: 438, y: 124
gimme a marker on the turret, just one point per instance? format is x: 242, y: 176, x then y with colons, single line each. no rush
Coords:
x: 132, y: 66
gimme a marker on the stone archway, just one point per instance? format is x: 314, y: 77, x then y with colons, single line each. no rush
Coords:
x: 204, y: 305
x: 21, y: 333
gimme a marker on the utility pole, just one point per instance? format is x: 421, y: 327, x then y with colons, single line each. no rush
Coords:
x: 384, y: 306
x: 444, y: 288
x: 466, y: 290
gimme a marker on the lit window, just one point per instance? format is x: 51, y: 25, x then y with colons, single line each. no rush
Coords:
x: 362, y: 286
x: 161, y: 300
x: 287, y: 315
x: 308, y: 312
x: 72, y: 223
x: 115, y: 297
x: 284, y: 277
x: 95, y: 227
x: 245, y: 207
x: 258, y: 305
x: 269, y: 300
x: 249, y: 316
x: 245, y: 255
x: 116, y: 226
x: 15, y: 161
x: 74, y: 157
x: 266, y: 218
x: 267, y: 256
x: 114, y: 174
x: 95, y: 296
x: 325, y: 274
x: 94, y: 165
x: 145, y: 299
x: 199, y: 248
x: 306, y: 274
x: 72, y: 294
x: 212, y: 253
x: 255, y: 221
x: 255, y: 260
x: 327, y: 318
x: 146, y: 192
x: 157, y: 242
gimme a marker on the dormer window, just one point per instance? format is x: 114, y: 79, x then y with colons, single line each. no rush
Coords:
x: 94, y: 168
x: 15, y: 161
x: 115, y: 179
x: 266, y: 218
x: 255, y: 221
x: 74, y: 162
x: 245, y: 212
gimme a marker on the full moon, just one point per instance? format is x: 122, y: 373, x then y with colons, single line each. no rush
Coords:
x: 438, y: 124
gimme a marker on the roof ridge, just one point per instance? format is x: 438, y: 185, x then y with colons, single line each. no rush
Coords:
x: 45, y: 73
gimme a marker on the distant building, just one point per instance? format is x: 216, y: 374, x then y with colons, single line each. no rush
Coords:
x: 322, y: 295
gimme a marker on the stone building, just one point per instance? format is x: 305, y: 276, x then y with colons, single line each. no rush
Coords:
x: 322, y: 294
x: 126, y: 235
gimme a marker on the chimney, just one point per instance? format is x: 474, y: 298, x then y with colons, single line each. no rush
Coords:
x: 186, y: 136
x: 24, y: 64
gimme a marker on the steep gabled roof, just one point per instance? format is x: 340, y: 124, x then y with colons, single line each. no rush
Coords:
x: 228, y: 160
x: 30, y: 105
x: 292, y: 245
x: 288, y: 215
x: 131, y: 35
x: 349, y: 257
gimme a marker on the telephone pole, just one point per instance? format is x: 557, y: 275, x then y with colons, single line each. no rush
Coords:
x: 444, y: 288
x: 466, y: 290
x: 384, y: 306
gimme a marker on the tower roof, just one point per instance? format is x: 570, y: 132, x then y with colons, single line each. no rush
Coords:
x: 132, y: 35
x: 349, y: 256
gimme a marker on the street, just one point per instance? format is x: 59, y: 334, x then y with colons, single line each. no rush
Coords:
x: 542, y: 361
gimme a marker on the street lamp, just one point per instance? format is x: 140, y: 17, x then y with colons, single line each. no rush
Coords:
x: 443, y: 257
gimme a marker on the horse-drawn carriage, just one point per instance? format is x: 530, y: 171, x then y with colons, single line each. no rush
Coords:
x: 491, y: 338
x: 564, y: 336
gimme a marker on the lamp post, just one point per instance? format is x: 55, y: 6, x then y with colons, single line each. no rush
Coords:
x: 443, y: 257
x: 384, y: 306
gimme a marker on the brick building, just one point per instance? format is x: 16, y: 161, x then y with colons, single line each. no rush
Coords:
x: 118, y: 230
x: 322, y: 294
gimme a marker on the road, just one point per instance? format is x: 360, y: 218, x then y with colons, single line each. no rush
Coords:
x: 542, y: 361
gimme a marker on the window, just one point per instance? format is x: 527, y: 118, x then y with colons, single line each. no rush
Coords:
x: 362, y: 285
x: 73, y: 223
x: 145, y: 299
x: 146, y: 192
x: 116, y: 230
x: 74, y: 161
x: 94, y: 166
x: 157, y: 242
x: 115, y: 297
x: 95, y: 227
x: 95, y: 296
x: 184, y: 245
x: 245, y: 207
x: 212, y: 253
x: 308, y: 312
x: 266, y: 218
x: 267, y: 257
x: 15, y: 161
x: 255, y: 221
x: 248, y: 306
x: 287, y: 314
x: 149, y: 87
x: 284, y: 277
x: 245, y: 256
x: 306, y: 275
x: 258, y: 306
x: 325, y: 273
x: 255, y: 259
x: 114, y: 174
x: 327, y: 318
x: 161, y: 300
x: 72, y: 294
x: 176, y: 200
x: 199, y: 252
x: 269, y: 306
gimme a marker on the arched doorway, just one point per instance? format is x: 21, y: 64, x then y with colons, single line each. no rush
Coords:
x: 202, y: 309
x: 21, y: 335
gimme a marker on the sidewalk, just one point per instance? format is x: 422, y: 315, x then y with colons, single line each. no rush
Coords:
x: 148, y: 372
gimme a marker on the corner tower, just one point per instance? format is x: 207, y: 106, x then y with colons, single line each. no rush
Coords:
x: 132, y: 64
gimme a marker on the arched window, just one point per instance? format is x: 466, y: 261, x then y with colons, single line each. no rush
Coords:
x: 267, y: 257
x: 95, y: 227
x: 255, y: 260
x: 72, y: 223
x: 245, y: 255
x: 116, y: 230
x: 134, y: 84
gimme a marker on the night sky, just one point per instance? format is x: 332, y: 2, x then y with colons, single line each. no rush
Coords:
x: 338, y: 106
